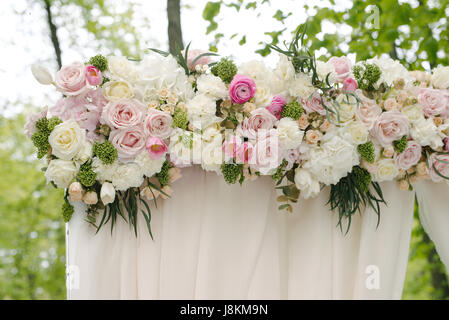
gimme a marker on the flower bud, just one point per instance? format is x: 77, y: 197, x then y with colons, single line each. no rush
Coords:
x: 76, y: 191
x: 107, y: 193
x: 90, y: 197
x: 42, y: 75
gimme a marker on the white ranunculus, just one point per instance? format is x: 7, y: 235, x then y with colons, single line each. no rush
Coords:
x: 85, y: 153
x: 41, y: 73
x: 413, y: 112
x: 201, y: 111
x: 358, y: 132
x: 306, y: 183
x: 67, y: 139
x: 61, y: 172
x: 149, y: 166
x: 107, y: 193
x: 290, y: 136
x: 347, y: 107
x: 386, y: 170
x: 211, y: 85
x: 440, y: 78
x: 128, y: 175
x: 104, y: 171
x: 426, y: 133
x: 301, y: 86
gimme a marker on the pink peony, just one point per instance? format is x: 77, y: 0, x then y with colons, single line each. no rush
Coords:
x: 241, y: 89
x: 156, y: 147
x: 350, y: 85
x: 433, y: 102
x: 410, y: 156
x: 129, y: 142
x: 93, y: 75
x: 260, y: 118
x: 71, y: 79
x: 158, y: 124
x: 275, y: 108
x: 123, y: 113
x: 192, y: 55
x: 441, y: 163
x: 342, y: 66
x: 314, y: 104
x: 390, y: 126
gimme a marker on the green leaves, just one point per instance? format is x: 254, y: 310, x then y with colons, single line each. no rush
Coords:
x: 210, y: 11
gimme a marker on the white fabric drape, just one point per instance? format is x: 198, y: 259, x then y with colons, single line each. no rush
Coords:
x: 215, y: 241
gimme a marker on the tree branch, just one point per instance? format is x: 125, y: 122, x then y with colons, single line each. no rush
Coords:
x: 53, y: 33
x: 174, y: 26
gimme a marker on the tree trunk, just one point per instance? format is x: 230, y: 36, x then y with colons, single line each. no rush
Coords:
x: 174, y: 26
x: 53, y: 33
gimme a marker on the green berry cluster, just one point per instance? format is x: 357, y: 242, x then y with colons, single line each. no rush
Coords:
x: 292, y: 110
x: 86, y: 175
x: 67, y: 211
x: 231, y: 172
x: 105, y: 151
x: 99, y: 61
x: 44, y: 127
x: 362, y: 177
x: 366, y: 151
x: 366, y: 75
x: 180, y: 119
x: 163, y: 175
x: 225, y: 69
x: 401, y: 144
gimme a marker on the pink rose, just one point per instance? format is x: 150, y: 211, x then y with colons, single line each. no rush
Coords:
x: 93, y: 75
x: 390, y: 126
x: 30, y: 126
x: 432, y: 101
x: 441, y: 163
x: 158, y: 124
x: 267, y: 153
x: 277, y: 103
x: 230, y: 146
x: 123, y: 113
x: 71, y: 79
x: 410, y: 156
x: 260, y: 118
x: 350, y: 85
x: 156, y: 147
x: 192, y: 55
x: 241, y: 89
x: 244, y: 152
x: 314, y: 104
x: 342, y: 66
x: 368, y: 111
x: 129, y: 142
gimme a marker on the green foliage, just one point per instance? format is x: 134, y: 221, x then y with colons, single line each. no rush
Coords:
x: 225, y: 69
x: 401, y: 144
x: 279, y: 171
x: 366, y: 75
x: 163, y: 177
x: 86, y: 175
x: 366, y: 151
x: 211, y: 10
x: 67, y: 211
x: 292, y: 110
x: 40, y: 137
x: 105, y: 151
x: 180, y: 119
x: 99, y: 61
x: 231, y: 172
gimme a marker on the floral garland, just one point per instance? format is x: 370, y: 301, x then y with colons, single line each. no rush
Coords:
x: 123, y: 129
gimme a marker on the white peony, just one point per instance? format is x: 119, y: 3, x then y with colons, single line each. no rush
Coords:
x: 128, y: 175
x: 290, y: 136
x: 149, y: 166
x: 358, y: 132
x: 67, y: 139
x: 61, y: 172
x: 212, y: 86
x: 426, y: 133
x: 413, y: 112
x: 386, y: 170
x: 201, y: 111
x: 301, y: 86
x: 306, y: 183
x: 440, y: 78
x: 107, y: 193
x: 104, y: 171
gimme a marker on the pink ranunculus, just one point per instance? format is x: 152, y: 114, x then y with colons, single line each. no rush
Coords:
x: 260, y: 118
x: 93, y: 75
x: 158, y: 124
x: 314, y: 104
x: 241, y: 89
x: 368, y: 111
x: 129, y: 142
x: 410, y: 156
x: 342, y: 66
x: 123, y: 113
x: 156, y: 147
x: 71, y: 79
x: 390, y: 126
x: 440, y: 161
x: 30, y: 126
x: 350, y: 85
x: 244, y: 152
x: 277, y: 103
x: 433, y: 102
x: 192, y: 55
x: 267, y: 153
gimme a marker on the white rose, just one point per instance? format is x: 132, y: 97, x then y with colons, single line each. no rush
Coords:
x: 122, y: 68
x: 263, y: 96
x: 324, y: 69
x: 301, y: 86
x: 386, y: 170
x: 85, y: 153
x: 212, y: 155
x: 289, y: 133
x: 61, y: 172
x: 41, y: 73
x: 128, y: 175
x: 107, y: 193
x: 440, y: 78
x: 211, y: 85
x: 114, y: 90
x: 426, y: 133
x: 66, y: 140
x: 308, y: 186
x: 413, y: 112
x: 149, y: 166
x: 358, y: 132
x: 347, y: 107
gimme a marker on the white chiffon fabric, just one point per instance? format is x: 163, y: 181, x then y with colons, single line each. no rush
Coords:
x: 216, y: 241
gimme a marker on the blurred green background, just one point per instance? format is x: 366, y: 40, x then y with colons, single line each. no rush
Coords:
x: 32, y: 247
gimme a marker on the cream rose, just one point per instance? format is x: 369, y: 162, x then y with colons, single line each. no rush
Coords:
x: 61, y: 172
x: 413, y: 112
x: 66, y: 140
x: 386, y: 170
x: 358, y: 132
x: 347, y: 107
x: 440, y: 78
x: 114, y: 90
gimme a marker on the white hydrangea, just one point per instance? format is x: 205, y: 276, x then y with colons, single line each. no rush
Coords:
x: 104, y: 171
x: 201, y: 111
x: 290, y: 136
x: 391, y: 70
x: 426, y: 133
x: 211, y: 85
x: 149, y: 166
x: 128, y: 175
x: 301, y: 86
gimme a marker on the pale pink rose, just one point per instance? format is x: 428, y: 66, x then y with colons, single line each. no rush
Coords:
x: 368, y: 111
x: 402, y: 97
x: 342, y: 66
x: 314, y: 104
x: 371, y: 167
x: 71, y: 79
x: 388, y: 152
x: 313, y: 136
x: 390, y: 104
x: 410, y: 156
x: 156, y: 147
x: 123, y: 113
x: 241, y: 89
x: 260, y: 119
x: 192, y: 55
x: 325, y: 126
x: 30, y: 125
x: 158, y: 124
x: 303, y: 121
x: 433, y: 102
x: 129, y: 142
x: 93, y: 75
x: 390, y: 126
x: 441, y: 164
x: 275, y: 108
x: 350, y: 85
x: 244, y: 152
x: 267, y: 153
